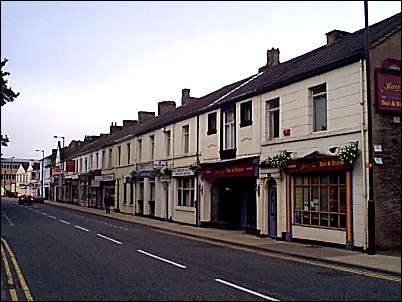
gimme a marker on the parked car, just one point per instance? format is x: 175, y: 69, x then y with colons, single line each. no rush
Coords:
x: 38, y: 199
x: 25, y: 199
x: 13, y: 194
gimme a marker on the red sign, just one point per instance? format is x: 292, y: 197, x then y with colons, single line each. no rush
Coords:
x: 57, y: 170
x: 388, y: 90
x: 70, y: 166
x: 329, y: 163
x: 235, y: 169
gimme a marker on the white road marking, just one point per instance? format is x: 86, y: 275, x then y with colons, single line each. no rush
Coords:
x: 8, y: 219
x: 246, y: 290
x: 64, y: 221
x: 162, y: 259
x: 81, y: 228
x: 52, y: 217
x: 100, y: 235
x: 43, y: 213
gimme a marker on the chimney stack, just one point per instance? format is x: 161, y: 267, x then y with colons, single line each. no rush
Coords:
x: 185, y: 96
x: 144, y: 116
x: 166, y: 106
x: 272, y: 59
x: 129, y: 123
x: 114, y: 128
x: 335, y: 35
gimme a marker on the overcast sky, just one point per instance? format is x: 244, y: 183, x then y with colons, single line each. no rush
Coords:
x: 81, y: 65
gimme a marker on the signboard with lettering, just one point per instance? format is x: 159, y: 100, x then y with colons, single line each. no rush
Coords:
x: 328, y: 163
x: 388, y: 90
x: 233, y: 169
x: 106, y: 177
x: 182, y: 172
x: 160, y: 164
x: 57, y: 170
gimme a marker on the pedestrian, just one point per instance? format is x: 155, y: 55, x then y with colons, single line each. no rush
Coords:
x: 108, y: 202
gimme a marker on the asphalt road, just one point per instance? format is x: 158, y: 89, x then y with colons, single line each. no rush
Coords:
x: 68, y: 255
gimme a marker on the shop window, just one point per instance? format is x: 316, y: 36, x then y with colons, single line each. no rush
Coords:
x: 140, y: 197
x: 211, y: 123
x: 320, y: 200
x: 131, y: 193
x: 185, y: 191
x: 245, y: 114
x: 151, y: 200
x: 125, y: 193
x: 319, y: 100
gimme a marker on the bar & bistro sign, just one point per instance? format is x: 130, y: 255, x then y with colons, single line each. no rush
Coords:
x: 388, y: 88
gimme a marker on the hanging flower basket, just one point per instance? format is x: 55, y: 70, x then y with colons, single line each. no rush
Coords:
x: 166, y: 171
x: 349, y: 153
x: 134, y: 173
x: 277, y: 161
x: 195, y: 168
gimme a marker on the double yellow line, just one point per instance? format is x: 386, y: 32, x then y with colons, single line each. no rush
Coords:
x: 10, y: 281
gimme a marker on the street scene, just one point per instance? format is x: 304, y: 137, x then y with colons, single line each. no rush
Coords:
x: 204, y: 151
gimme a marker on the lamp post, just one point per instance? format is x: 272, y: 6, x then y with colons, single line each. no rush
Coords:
x: 11, y: 173
x: 41, y: 179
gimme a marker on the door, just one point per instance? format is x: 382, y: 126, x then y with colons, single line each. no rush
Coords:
x: 272, y: 209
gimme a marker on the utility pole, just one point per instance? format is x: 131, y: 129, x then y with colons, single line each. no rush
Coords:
x: 370, y: 201
x: 41, y: 178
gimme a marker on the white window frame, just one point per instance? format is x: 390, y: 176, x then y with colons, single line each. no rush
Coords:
x: 152, y: 146
x: 315, y: 97
x: 183, y: 190
x: 167, y: 142
x: 228, y: 128
x: 186, y: 138
x: 270, y: 119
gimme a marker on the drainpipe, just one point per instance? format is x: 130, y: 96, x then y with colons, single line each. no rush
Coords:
x: 197, y: 208
x: 363, y: 138
x: 370, y: 201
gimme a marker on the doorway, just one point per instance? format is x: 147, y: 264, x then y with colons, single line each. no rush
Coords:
x: 272, y: 207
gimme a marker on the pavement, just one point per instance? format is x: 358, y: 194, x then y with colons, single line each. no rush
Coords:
x: 381, y: 263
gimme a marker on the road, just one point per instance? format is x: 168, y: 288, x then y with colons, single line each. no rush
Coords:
x: 68, y: 255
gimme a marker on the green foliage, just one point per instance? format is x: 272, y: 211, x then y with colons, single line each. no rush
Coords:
x: 349, y: 153
x: 277, y: 161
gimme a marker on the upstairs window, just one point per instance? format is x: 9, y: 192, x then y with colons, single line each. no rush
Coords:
x: 272, y: 108
x: 229, y: 130
x: 186, y: 134
x: 139, y: 150
x: 152, y: 145
x: 211, y: 123
x: 167, y: 142
x: 245, y: 114
x: 97, y: 160
x: 128, y: 153
x: 319, y: 98
x: 110, y: 158
x: 103, y: 159
x: 118, y: 155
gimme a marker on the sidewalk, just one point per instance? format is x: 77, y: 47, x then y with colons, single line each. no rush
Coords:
x: 339, y: 256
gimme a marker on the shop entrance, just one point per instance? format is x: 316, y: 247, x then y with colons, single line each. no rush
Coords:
x: 233, y: 203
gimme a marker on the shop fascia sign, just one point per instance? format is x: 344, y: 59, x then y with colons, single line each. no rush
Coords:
x: 182, y: 172
x: 322, y: 164
x: 106, y: 177
x: 388, y: 87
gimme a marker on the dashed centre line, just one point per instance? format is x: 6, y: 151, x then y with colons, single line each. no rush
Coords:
x: 162, y: 259
x: 66, y: 222
x: 81, y: 228
x: 246, y: 290
x: 115, y: 241
x: 52, y: 217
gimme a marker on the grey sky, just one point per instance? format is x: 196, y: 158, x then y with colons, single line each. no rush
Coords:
x: 81, y: 65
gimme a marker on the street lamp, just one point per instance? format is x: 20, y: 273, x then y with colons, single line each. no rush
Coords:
x: 42, y: 189
x: 62, y: 137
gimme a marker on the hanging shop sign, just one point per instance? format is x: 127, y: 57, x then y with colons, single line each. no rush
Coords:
x: 388, y: 89
x: 234, y: 169
x: 182, y: 172
x: 106, y: 177
x: 160, y: 164
x: 57, y: 170
x: 328, y: 163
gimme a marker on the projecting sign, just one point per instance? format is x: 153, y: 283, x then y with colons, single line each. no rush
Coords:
x: 388, y: 89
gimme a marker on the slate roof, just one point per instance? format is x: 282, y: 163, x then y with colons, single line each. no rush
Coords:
x: 347, y: 50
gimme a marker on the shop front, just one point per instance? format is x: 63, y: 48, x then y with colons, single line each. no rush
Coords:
x: 233, y: 193
x: 83, y: 180
x: 95, y: 192
x: 107, y: 186
x: 319, y: 199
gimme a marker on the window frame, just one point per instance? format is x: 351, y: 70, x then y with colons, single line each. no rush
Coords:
x: 210, y: 118
x: 270, y: 119
x: 183, y: 190
x: 152, y: 146
x: 186, y: 138
x: 315, y: 97
x: 232, y: 130
x: 244, y: 108
x: 167, y: 142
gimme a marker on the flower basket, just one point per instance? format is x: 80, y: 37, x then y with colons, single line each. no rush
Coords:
x: 277, y: 161
x: 349, y: 153
x: 166, y: 171
x: 195, y: 168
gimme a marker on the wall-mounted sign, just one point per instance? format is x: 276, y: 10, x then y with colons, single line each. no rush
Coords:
x: 388, y: 90
x: 329, y: 163
x: 247, y: 167
x: 160, y: 164
x: 146, y: 174
x: 57, y: 170
x: 182, y: 172
x: 106, y: 177
x: 377, y: 148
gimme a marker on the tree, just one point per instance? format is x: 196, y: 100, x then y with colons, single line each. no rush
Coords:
x: 7, y: 95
